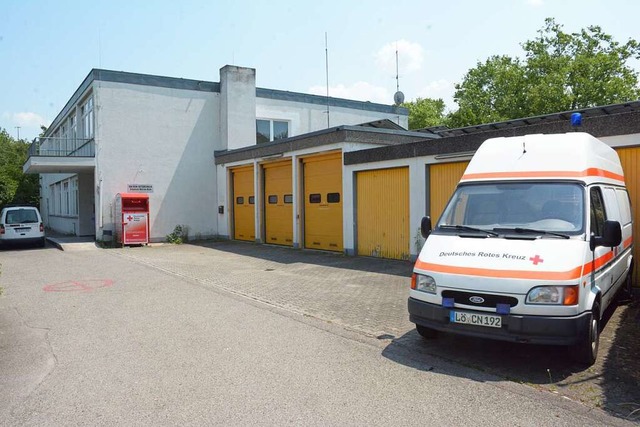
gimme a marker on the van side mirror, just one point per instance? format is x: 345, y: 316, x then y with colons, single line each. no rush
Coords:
x: 425, y: 226
x: 612, y: 236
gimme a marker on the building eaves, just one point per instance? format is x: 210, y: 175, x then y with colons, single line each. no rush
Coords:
x: 622, y: 123
x: 356, y: 134
x: 564, y: 115
x: 332, y: 102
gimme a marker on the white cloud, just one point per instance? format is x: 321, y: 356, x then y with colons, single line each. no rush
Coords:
x: 29, y: 119
x: 535, y: 3
x: 410, y: 57
x: 439, y: 89
x: 361, y: 91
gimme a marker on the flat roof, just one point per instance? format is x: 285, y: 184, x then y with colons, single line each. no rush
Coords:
x: 208, y: 86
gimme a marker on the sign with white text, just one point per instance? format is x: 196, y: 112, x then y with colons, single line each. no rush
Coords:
x: 140, y: 188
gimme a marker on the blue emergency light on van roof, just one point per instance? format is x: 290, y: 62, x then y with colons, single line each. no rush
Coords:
x: 576, y: 119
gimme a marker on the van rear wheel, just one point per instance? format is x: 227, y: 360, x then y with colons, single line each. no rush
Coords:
x: 586, y: 350
x: 628, y: 286
x: 426, y: 332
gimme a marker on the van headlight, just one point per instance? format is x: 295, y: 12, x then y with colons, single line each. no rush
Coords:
x: 423, y: 283
x: 558, y: 295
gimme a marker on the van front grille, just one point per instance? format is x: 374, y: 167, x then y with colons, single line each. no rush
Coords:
x: 488, y: 300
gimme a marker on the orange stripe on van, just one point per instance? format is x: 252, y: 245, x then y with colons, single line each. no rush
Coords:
x: 502, y: 274
x: 572, y: 274
x: 546, y: 174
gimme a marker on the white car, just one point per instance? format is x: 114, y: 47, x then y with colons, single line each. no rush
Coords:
x: 21, y: 224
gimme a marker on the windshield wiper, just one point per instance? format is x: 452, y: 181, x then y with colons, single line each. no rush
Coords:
x: 467, y: 228
x: 534, y: 231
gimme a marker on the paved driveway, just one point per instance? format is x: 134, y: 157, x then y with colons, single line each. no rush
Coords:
x: 128, y: 334
x: 369, y: 296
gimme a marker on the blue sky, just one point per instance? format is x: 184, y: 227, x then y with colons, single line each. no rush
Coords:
x: 47, y: 48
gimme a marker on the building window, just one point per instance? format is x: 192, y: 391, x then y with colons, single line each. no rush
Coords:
x: 73, y: 132
x: 271, y: 130
x: 58, y: 209
x: 87, y: 118
x: 65, y: 198
x: 273, y: 200
x: 74, y: 196
x: 315, y: 198
x: 333, y: 197
x: 288, y: 198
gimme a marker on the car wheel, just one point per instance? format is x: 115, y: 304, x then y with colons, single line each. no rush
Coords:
x: 628, y: 286
x: 585, y: 351
x: 426, y: 332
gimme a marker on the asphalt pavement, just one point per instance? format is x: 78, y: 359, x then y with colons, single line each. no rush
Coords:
x: 227, y: 333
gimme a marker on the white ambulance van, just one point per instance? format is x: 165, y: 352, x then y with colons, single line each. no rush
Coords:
x: 532, y: 247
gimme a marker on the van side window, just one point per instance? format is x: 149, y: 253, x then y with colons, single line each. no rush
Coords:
x: 597, y: 212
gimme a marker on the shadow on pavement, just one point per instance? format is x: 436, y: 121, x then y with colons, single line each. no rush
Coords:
x: 286, y: 255
x: 612, y: 383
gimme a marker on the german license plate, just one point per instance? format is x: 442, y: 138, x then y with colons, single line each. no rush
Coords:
x: 489, y: 320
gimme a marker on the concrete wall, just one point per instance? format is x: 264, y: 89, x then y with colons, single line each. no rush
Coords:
x: 237, y: 107
x: 163, y: 137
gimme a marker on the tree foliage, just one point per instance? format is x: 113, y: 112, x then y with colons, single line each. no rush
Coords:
x: 15, y: 186
x: 425, y: 112
x: 560, y: 72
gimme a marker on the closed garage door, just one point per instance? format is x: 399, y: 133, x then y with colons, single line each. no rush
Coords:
x: 278, y: 200
x: 630, y: 159
x: 443, y: 179
x: 243, y: 204
x: 382, y: 202
x: 323, y: 202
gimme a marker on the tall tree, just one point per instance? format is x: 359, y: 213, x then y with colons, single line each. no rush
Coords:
x: 15, y: 186
x: 425, y: 112
x: 560, y: 71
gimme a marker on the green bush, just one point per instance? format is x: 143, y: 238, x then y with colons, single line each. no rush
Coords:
x: 179, y: 235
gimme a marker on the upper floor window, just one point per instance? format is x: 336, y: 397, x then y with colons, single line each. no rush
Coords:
x: 271, y: 130
x: 87, y: 118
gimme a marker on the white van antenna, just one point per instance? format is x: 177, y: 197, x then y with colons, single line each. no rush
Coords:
x: 524, y: 149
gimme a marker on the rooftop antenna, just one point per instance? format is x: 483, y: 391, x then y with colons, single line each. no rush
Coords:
x: 398, y: 97
x: 326, y: 59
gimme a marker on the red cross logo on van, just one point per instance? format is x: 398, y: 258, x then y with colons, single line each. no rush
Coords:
x: 536, y: 259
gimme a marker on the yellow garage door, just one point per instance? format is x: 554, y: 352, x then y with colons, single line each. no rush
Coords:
x: 443, y: 179
x: 382, y: 202
x: 630, y: 159
x: 278, y: 203
x: 323, y: 202
x: 243, y: 204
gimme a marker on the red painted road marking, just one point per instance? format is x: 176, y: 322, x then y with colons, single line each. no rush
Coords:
x: 79, y: 285
x: 536, y: 259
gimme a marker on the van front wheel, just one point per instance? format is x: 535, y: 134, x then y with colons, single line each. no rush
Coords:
x: 586, y: 350
x: 426, y: 332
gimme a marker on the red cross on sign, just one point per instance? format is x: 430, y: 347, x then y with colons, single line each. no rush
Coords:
x: 536, y: 259
x: 129, y: 218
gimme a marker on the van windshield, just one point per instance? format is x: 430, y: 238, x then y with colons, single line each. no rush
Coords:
x: 551, y: 207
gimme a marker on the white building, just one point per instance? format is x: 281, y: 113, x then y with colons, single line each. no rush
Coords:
x: 121, y: 131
